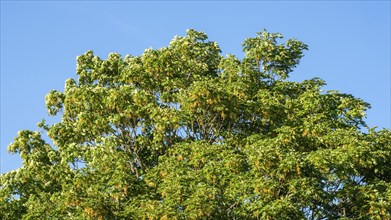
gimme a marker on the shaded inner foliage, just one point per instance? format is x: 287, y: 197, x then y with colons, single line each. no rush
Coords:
x: 182, y: 132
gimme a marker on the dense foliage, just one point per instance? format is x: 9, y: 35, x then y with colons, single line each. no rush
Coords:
x: 182, y: 132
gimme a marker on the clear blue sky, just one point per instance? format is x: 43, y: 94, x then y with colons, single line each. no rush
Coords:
x: 349, y: 45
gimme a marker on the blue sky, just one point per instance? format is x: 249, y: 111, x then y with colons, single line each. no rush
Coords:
x: 349, y: 45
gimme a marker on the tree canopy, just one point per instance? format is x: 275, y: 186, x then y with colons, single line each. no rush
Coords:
x: 182, y: 132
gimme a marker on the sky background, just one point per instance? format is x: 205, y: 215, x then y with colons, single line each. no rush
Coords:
x: 349, y: 45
